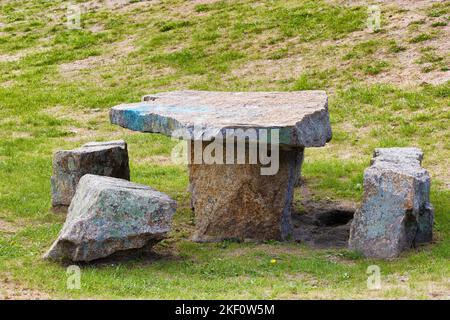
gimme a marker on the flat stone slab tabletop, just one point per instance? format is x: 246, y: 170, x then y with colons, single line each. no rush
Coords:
x: 236, y: 201
x: 301, y: 116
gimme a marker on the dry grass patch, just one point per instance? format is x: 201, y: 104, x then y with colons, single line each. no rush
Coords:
x: 86, y: 129
x: 80, y: 115
x: 113, y: 53
x: 8, y: 227
x: 158, y: 160
x: 271, y: 70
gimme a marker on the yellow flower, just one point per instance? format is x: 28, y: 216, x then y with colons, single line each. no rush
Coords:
x: 273, y: 261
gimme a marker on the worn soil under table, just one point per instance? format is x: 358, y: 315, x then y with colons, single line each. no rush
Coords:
x: 323, y: 223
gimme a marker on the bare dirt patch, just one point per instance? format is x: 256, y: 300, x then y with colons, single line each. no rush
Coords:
x: 76, y: 114
x: 21, y: 54
x: 322, y: 223
x: 319, y: 224
x: 401, y: 3
x: 115, y: 4
x: 83, y: 132
x: 87, y: 63
x: 275, y: 70
x: 114, y: 53
x: 188, y: 7
x: 10, y: 290
x: 21, y: 135
x: 8, y: 227
x: 8, y: 84
x: 11, y: 57
x: 96, y: 28
x: 159, y: 160
x: 203, y: 1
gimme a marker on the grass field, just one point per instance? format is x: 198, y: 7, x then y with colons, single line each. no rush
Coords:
x: 386, y: 88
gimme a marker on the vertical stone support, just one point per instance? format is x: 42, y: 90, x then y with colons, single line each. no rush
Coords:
x: 234, y: 201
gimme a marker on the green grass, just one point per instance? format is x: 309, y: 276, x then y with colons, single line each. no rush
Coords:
x: 439, y: 10
x: 47, y: 104
x: 395, y: 48
x: 421, y: 37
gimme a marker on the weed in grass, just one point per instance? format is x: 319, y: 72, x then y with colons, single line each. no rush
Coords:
x: 417, y: 22
x: 439, y: 24
x: 439, y: 9
x: 395, y: 48
x: 430, y: 57
x: 171, y: 25
x: 375, y: 68
x: 421, y: 38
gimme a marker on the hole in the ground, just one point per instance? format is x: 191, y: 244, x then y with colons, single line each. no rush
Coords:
x: 323, y: 226
x: 334, y: 218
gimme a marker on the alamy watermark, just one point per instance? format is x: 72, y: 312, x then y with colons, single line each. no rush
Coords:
x: 373, y: 18
x: 374, y: 278
x: 73, y: 273
x: 73, y: 16
x: 200, y: 145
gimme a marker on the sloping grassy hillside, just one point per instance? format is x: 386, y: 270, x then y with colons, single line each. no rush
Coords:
x: 386, y: 88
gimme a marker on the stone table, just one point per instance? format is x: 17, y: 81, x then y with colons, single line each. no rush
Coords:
x: 245, y: 153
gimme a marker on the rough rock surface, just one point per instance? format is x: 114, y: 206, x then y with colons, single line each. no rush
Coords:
x: 301, y: 116
x: 101, y: 158
x: 234, y: 201
x: 395, y: 213
x: 109, y: 215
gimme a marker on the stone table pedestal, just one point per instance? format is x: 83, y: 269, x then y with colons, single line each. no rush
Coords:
x: 238, y: 196
x: 235, y: 201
